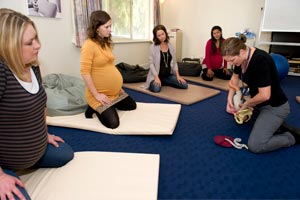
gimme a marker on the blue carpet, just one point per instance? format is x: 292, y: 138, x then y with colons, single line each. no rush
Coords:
x: 193, y: 167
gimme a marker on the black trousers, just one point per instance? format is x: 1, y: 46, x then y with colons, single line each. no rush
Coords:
x: 219, y: 73
x: 110, y: 117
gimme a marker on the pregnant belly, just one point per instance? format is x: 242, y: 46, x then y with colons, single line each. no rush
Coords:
x: 110, y: 83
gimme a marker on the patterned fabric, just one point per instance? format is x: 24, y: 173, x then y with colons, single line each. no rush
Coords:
x: 102, y: 108
x: 82, y: 10
x: 156, y: 13
x: 23, y: 130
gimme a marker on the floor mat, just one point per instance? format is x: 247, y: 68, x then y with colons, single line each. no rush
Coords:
x: 216, y: 82
x: 189, y: 96
x: 97, y: 175
x: 147, y: 119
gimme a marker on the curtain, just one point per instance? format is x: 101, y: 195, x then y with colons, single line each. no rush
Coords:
x: 156, y: 12
x: 82, y: 10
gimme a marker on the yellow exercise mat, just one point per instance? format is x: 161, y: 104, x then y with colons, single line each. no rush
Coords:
x: 216, y: 82
x: 97, y: 175
x: 193, y: 94
x: 146, y: 119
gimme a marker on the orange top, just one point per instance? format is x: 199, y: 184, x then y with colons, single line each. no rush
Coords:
x: 99, y: 63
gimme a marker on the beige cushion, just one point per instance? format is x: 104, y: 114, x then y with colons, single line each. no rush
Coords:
x: 216, y: 82
x: 147, y: 119
x: 97, y: 175
x: 194, y: 93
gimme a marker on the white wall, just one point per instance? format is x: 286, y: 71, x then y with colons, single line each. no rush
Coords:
x: 58, y: 54
x: 194, y: 17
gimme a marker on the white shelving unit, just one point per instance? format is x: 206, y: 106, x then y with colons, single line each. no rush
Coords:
x: 280, y: 16
x: 176, y: 40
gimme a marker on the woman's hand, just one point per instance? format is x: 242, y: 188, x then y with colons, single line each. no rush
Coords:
x: 210, y: 73
x: 157, y: 82
x: 226, y: 71
x: 8, y: 186
x: 53, y: 139
x: 103, y: 99
x: 233, y: 86
x: 122, y: 91
x: 244, y: 106
x: 230, y: 107
x: 181, y: 80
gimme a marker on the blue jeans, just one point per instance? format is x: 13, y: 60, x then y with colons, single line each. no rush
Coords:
x: 170, y: 81
x: 53, y: 157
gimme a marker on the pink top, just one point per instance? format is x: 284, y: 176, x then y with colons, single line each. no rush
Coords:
x: 213, y: 61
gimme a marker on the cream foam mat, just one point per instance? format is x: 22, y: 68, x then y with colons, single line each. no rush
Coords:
x: 97, y: 175
x: 147, y: 119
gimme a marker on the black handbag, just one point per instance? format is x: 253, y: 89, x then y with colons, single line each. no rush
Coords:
x: 189, y: 67
x: 132, y: 73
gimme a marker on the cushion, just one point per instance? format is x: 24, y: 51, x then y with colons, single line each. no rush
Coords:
x: 65, y: 94
x: 132, y: 73
x: 147, y: 119
x: 97, y: 175
x: 189, y: 69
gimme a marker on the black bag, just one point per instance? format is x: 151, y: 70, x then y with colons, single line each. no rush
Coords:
x: 189, y: 67
x: 191, y: 60
x: 132, y: 73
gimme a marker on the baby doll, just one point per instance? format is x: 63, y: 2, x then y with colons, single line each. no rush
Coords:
x: 244, y: 115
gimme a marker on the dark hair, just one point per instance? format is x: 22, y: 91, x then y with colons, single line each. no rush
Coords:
x: 213, y: 44
x: 98, y: 18
x: 233, y: 45
x: 157, y: 28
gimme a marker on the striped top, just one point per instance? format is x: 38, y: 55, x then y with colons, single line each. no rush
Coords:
x: 23, y: 129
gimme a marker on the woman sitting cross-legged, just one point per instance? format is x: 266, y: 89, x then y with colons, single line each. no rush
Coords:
x: 163, y: 65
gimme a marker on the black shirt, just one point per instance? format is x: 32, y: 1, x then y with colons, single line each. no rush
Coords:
x: 165, y: 63
x: 262, y: 72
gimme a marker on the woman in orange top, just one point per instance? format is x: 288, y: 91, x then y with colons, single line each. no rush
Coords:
x: 104, y: 93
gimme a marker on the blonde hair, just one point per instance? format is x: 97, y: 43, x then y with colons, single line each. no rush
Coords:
x: 233, y: 45
x: 12, y: 27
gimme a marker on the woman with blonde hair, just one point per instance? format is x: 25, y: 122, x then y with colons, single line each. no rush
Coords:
x: 24, y: 138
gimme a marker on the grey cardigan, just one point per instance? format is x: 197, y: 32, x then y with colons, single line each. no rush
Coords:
x: 154, y: 62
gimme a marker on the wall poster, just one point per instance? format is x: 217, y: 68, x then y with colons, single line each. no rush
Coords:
x: 44, y: 8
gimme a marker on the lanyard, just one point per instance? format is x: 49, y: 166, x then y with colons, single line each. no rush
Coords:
x: 245, y: 90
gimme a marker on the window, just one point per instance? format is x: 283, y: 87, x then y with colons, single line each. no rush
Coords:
x: 132, y: 19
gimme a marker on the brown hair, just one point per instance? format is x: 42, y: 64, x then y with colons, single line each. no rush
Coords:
x: 98, y: 18
x: 12, y: 27
x: 213, y: 44
x: 232, y: 46
x: 157, y: 28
